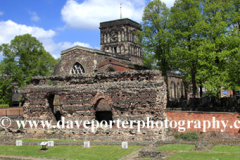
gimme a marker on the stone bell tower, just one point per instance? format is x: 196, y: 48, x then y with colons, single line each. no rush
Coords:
x: 117, y: 37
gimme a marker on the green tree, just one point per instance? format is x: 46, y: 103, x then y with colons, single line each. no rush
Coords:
x: 7, y: 82
x: 30, y: 57
x: 156, y: 38
x: 149, y: 60
x: 6, y: 88
x: 233, y: 45
x: 215, y: 26
x: 185, y: 22
x: 24, y: 57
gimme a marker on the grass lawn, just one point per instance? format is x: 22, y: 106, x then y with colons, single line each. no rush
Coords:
x: 41, y: 140
x: 219, y: 152
x: 204, y: 156
x: 70, y: 152
x: 225, y: 148
x: 176, y: 147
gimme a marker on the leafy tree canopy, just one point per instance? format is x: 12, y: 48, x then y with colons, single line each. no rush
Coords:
x: 24, y: 57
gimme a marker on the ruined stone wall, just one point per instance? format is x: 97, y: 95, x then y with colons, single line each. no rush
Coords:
x: 130, y: 95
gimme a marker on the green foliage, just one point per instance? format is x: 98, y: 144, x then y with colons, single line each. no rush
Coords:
x: 185, y: 25
x: 198, y: 38
x: 70, y: 152
x: 203, y: 156
x: 215, y: 26
x: 24, y: 57
x: 156, y: 37
x: 149, y: 60
x: 188, y: 136
x: 225, y: 148
x: 176, y: 147
x: 4, y: 105
x: 52, y: 83
x: 6, y: 88
x: 21, y: 127
x: 28, y: 57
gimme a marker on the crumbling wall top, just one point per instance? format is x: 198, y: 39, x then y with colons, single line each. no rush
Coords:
x: 91, y: 78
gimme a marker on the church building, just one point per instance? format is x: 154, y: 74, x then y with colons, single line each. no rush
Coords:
x: 119, y: 51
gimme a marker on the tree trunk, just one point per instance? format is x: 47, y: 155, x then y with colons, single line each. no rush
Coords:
x: 201, y: 86
x: 164, y: 73
x: 194, y: 86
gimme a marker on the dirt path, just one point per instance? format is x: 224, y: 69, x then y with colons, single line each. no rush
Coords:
x: 134, y: 155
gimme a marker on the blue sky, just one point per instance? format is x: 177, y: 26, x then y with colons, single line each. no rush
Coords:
x: 61, y: 24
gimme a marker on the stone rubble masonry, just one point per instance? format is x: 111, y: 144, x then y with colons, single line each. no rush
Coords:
x: 149, y: 154
x: 130, y: 95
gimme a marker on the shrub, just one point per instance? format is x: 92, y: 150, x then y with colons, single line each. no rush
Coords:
x: 52, y: 83
x: 188, y: 136
x: 21, y: 127
x: 4, y: 105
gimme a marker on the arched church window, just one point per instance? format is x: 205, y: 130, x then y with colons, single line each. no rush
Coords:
x: 172, y: 96
x: 175, y: 90
x: 119, y: 36
x: 122, y: 35
x: 105, y: 38
x: 77, y: 69
x: 178, y: 90
x: 118, y: 49
x: 110, y: 69
x: 122, y: 49
x: 182, y: 90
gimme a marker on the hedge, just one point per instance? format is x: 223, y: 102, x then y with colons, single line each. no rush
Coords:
x: 4, y: 105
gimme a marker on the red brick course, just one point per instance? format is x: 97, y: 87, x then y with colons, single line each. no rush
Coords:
x: 16, y: 111
x: 230, y: 117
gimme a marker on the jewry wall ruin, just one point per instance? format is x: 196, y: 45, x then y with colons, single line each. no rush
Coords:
x: 128, y: 95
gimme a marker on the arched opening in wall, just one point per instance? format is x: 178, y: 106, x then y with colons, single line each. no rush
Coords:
x: 182, y: 90
x: 105, y: 38
x: 119, y: 36
x: 172, y: 91
x: 122, y: 49
x: 57, y: 115
x: 50, y: 99
x: 175, y: 91
x: 118, y: 49
x: 108, y: 38
x: 110, y: 69
x: 77, y: 69
x: 115, y: 49
x: 178, y: 91
x: 103, y: 111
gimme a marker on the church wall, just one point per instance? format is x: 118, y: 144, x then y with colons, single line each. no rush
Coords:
x: 88, y: 58
x: 117, y: 68
x: 126, y: 42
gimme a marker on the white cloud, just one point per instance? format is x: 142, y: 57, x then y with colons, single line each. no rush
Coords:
x: 1, y: 13
x: 56, y: 48
x: 89, y: 13
x: 34, y: 16
x: 169, y: 3
x: 10, y: 29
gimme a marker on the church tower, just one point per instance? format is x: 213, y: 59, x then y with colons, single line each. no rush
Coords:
x: 117, y: 37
